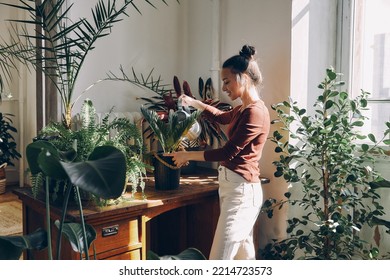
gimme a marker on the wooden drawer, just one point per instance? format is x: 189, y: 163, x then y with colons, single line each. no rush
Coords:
x: 113, y: 235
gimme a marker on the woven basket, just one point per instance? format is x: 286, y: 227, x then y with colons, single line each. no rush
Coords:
x: 3, y: 183
x: 3, y: 180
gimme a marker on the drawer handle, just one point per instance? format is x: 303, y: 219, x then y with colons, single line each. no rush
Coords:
x: 111, y: 230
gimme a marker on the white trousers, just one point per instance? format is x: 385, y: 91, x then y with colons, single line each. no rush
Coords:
x: 240, y: 204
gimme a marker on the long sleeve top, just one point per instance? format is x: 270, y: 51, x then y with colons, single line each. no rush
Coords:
x: 247, y: 133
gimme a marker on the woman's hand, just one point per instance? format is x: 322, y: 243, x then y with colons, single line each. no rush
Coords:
x: 179, y: 158
x: 189, y: 101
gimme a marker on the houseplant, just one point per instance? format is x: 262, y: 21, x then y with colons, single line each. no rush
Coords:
x: 117, y: 132
x: 102, y: 174
x: 332, y: 176
x: 165, y: 99
x: 8, y: 151
x: 169, y: 133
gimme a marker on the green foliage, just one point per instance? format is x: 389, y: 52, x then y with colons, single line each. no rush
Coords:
x: 12, y: 247
x: 73, y: 231
x: 124, y: 135
x: 334, y: 173
x: 165, y: 100
x: 8, y: 151
x: 10, y: 55
x: 64, y: 44
x: 102, y: 174
x: 170, y: 132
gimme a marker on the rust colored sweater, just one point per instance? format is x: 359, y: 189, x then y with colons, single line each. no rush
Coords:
x: 247, y: 133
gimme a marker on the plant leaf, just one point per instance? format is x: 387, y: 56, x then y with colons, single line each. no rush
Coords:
x: 11, y: 247
x: 74, y: 233
x: 103, y: 174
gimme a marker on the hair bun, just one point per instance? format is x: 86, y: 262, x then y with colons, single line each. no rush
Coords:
x: 247, y: 51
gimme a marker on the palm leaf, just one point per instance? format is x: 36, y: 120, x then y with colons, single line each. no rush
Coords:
x: 170, y: 132
x: 64, y: 46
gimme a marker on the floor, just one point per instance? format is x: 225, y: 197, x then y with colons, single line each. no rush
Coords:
x: 9, y: 196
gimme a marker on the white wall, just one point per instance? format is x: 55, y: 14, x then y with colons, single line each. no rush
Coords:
x: 145, y: 42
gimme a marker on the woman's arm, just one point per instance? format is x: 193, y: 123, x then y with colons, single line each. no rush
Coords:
x: 211, y: 112
x: 181, y: 158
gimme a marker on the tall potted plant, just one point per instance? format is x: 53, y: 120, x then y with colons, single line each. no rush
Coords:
x: 8, y: 150
x: 332, y: 177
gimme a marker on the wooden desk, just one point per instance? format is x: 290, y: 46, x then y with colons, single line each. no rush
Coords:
x: 167, y: 222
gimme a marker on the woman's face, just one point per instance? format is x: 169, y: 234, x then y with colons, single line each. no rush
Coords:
x: 231, y: 84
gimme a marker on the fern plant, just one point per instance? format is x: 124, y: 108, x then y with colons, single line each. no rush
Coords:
x: 90, y: 135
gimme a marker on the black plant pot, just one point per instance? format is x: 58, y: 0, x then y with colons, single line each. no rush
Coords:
x: 166, y: 177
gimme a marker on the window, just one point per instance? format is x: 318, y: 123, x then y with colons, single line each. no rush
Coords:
x: 370, y: 60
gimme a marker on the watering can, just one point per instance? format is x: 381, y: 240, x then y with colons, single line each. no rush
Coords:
x: 182, y: 113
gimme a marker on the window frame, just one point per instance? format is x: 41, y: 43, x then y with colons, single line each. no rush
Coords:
x: 345, y: 48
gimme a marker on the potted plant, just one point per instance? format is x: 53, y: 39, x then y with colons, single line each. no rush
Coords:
x: 103, y: 174
x: 166, y: 100
x: 86, y: 137
x: 332, y: 176
x: 8, y: 151
x: 169, y: 133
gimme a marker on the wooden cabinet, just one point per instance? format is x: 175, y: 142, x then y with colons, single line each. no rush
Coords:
x: 167, y: 222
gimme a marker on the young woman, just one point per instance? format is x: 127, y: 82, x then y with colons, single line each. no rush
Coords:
x: 239, y: 184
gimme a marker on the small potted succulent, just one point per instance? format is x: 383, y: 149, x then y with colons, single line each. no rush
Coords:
x: 8, y: 151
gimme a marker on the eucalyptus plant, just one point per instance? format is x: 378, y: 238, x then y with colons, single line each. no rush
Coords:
x: 332, y: 176
x: 64, y: 44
